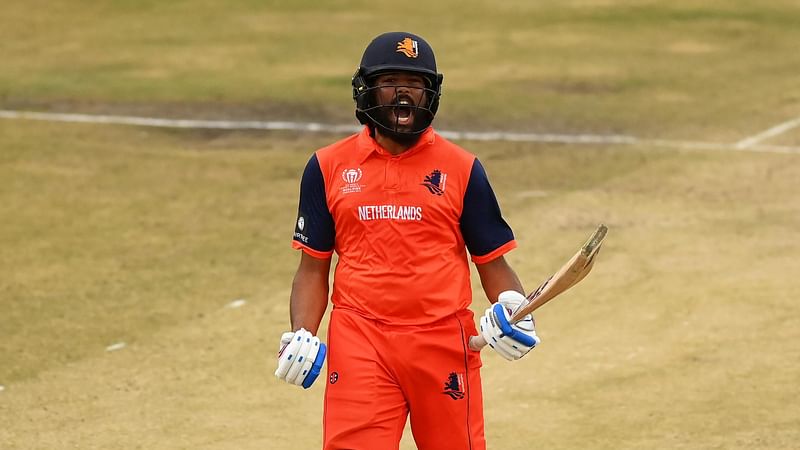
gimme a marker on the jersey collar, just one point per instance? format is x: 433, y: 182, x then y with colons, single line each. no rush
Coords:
x: 367, y: 145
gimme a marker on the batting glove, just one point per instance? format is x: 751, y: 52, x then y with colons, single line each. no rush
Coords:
x: 300, y: 358
x: 511, y: 340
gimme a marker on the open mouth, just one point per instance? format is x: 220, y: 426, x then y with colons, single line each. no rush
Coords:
x: 403, y: 111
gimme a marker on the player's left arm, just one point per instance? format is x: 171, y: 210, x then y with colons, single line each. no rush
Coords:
x: 498, y: 276
x: 488, y: 237
x: 503, y: 288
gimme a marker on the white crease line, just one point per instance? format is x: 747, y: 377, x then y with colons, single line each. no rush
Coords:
x: 539, y: 137
x: 699, y: 145
x: 585, y: 139
x: 178, y: 123
x: 772, y: 132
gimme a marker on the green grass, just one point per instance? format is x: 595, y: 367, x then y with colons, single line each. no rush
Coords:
x: 679, y: 339
x: 682, y: 70
x: 682, y: 337
x: 130, y: 226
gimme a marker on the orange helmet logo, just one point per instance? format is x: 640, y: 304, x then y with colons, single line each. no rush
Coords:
x: 408, y: 47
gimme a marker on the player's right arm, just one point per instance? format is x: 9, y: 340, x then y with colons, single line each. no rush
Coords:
x: 309, y: 297
x: 301, y: 354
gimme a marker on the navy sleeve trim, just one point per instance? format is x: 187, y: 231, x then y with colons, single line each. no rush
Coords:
x: 314, y: 227
x: 482, y: 223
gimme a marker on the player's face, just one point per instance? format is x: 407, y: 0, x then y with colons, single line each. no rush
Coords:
x: 404, y: 91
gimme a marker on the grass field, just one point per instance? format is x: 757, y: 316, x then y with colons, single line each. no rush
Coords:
x: 684, y: 336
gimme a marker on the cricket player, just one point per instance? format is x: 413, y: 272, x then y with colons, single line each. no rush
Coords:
x: 405, y: 210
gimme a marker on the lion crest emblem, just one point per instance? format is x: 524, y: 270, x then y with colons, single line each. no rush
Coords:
x: 408, y: 47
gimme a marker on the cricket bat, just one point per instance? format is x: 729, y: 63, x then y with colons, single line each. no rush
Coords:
x: 567, y: 276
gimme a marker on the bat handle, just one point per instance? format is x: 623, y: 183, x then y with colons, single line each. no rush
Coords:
x: 476, y: 343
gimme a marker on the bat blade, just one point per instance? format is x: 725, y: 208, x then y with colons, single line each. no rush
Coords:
x: 567, y: 276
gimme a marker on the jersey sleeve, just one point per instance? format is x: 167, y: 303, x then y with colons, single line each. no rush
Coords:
x: 486, y: 233
x: 314, y: 230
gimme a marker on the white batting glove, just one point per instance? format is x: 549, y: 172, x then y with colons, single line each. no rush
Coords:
x: 511, y: 340
x: 300, y: 358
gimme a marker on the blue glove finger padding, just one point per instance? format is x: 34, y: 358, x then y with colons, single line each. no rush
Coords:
x: 508, y: 329
x: 316, y: 367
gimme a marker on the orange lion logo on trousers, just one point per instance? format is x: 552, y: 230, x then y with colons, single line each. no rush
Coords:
x: 408, y: 47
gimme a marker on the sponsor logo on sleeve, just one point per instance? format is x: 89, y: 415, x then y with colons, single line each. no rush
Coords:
x: 301, y: 223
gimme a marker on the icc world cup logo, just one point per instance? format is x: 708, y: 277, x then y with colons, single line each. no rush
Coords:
x: 351, y: 176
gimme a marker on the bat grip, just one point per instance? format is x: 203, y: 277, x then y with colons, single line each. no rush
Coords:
x: 476, y: 343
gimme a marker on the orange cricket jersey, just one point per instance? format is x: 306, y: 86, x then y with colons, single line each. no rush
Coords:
x: 400, y: 225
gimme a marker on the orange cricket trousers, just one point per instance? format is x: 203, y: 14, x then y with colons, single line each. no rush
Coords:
x: 378, y: 374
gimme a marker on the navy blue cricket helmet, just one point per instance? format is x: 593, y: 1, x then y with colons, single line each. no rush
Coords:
x: 396, y: 52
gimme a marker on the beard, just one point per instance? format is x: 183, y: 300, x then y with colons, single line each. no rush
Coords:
x: 387, y: 121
